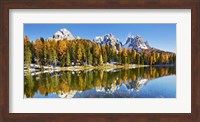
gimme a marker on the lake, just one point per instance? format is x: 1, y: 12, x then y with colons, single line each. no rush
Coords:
x: 145, y: 82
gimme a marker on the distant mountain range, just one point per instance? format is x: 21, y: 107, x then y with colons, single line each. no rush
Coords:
x: 134, y: 43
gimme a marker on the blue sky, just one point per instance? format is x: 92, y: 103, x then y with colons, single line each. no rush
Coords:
x: 161, y: 36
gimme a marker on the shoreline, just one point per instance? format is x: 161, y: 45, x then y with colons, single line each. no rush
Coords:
x: 101, y: 67
x: 90, y: 67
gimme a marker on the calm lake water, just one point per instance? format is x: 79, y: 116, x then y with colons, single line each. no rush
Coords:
x: 146, y: 82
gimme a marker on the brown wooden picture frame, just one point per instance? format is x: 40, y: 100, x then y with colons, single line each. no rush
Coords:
x: 5, y: 5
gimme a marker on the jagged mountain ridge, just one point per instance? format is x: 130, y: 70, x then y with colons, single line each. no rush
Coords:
x: 134, y: 43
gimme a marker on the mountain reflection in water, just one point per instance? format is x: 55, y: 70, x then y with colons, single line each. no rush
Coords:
x: 146, y: 82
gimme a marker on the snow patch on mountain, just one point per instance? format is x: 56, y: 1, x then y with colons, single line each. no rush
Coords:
x: 98, y: 39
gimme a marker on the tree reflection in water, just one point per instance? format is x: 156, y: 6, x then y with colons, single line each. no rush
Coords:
x: 69, y: 84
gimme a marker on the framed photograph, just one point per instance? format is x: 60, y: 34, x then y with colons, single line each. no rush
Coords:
x: 100, y: 60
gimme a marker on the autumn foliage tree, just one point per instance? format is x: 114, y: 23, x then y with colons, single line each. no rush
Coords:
x: 119, y: 55
x: 124, y: 56
x: 38, y: 49
x: 80, y: 53
x: 85, y: 52
x: 27, y: 52
x: 62, y: 52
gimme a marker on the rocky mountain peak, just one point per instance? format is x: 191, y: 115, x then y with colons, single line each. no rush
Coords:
x: 63, y: 34
x: 107, y: 39
x: 135, y: 43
